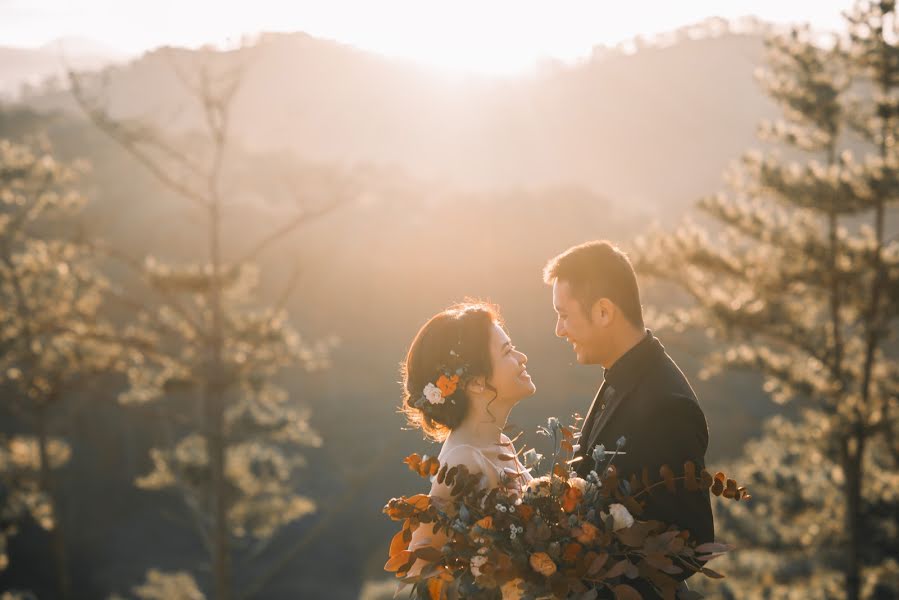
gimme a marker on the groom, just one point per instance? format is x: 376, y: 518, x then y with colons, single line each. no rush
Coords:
x: 644, y: 396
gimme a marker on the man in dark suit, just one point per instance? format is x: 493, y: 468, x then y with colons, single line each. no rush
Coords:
x: 644, y: 396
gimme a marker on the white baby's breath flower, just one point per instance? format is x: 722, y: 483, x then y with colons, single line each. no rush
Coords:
x: 621, y: 518
x: 433, y: 394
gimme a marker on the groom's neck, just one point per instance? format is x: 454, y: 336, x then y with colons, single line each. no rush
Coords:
x: 622, y: 343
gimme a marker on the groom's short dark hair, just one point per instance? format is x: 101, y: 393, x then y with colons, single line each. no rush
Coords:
x: 597, y: 270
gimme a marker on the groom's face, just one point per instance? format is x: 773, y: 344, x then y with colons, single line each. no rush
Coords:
x: 572, y: 323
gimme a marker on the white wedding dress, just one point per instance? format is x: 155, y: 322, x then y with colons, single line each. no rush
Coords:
x: 483, y: 460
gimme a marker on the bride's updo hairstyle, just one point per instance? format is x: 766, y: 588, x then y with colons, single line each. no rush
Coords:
x: 454, y: 343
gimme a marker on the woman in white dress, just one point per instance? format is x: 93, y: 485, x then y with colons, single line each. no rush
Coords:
x: 461, y: 378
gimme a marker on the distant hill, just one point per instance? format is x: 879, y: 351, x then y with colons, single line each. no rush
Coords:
x: 652, y: 129
x: 35, y: 66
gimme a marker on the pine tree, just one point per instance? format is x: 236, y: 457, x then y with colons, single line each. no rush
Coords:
x: 794, y: 278
x: 234, y: 462
x: 53, y: 338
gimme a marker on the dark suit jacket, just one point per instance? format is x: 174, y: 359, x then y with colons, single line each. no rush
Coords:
x: 659, y: 415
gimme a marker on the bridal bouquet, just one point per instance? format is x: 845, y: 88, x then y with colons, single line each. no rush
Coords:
x: 562, y: 536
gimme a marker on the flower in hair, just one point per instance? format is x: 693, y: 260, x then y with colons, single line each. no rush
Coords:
x: 433, y: 394
x: 447, y: 385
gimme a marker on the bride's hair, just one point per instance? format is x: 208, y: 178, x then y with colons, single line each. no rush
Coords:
x: 458, y: 337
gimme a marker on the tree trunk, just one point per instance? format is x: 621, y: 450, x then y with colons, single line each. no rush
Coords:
x: 215, y: 397
x: 853, y: 450
x: 57, y: 536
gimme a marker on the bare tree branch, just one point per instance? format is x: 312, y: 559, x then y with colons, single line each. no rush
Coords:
x: 302, y: 218
x: 131, y: 141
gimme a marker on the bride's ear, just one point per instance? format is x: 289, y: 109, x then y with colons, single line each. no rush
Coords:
x: 477, y: 385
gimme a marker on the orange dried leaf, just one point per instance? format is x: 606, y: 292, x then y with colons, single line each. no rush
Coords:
x: 597, y: 564
x: 571, y: 551
x: 397, y: 560
x: 428, y: 553
x: 718, y: 484
x: 644, y: 477
x: 617, y: 569
x: 667, y: 475
x: 570, y: 499
x: 633, y: 506
x: 710, y: 573
x: 525, y: 512
x: 435, y: 588
x: 712, y: 548
x: 398, y: 543
x: 730, y: 489
x: 690, y: 476
x: 451, y: 475
x: 635, y: 483
x: 420, y: 501
x: 413, y: 460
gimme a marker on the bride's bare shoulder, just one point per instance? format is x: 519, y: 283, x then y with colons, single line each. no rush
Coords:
x: 469, y: 456
x: 462, y: 454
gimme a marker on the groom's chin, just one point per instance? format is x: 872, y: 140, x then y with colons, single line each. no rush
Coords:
x: 583, y: 359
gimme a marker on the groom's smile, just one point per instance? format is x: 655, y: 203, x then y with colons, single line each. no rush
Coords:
x: 570, y: 320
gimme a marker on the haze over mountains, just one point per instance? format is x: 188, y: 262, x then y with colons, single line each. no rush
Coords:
x: 652, y: 130
x: 33, y: 66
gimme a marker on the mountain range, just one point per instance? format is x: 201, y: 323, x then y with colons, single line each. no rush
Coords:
x: 651, y: 128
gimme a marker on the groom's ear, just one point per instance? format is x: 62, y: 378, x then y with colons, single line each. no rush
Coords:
x: 603, y: 311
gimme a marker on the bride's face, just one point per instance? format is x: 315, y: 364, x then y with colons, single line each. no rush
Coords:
x: 510, y: 376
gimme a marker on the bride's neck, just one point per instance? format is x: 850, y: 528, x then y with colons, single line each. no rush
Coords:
x: 482, y: 427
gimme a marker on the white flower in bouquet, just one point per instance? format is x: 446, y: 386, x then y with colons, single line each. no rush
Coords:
x: 476, y: 563
x: 433, y: 394
x: 539, y: 486
x: 578, y: 483
x: 621, y: 518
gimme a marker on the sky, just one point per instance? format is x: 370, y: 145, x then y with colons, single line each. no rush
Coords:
x: 475, y: 36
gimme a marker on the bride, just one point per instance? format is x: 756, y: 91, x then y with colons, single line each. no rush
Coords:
x: 461, y: 378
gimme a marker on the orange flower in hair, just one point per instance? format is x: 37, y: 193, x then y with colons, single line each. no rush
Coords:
x: 447, y: 385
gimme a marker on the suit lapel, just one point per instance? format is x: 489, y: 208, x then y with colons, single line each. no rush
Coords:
x: 587, y: 427
x: 612, y: 402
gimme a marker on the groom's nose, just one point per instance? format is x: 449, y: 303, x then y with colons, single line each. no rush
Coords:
x: 560, y: 330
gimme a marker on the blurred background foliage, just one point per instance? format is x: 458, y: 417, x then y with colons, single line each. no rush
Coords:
x: 390, y: 194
